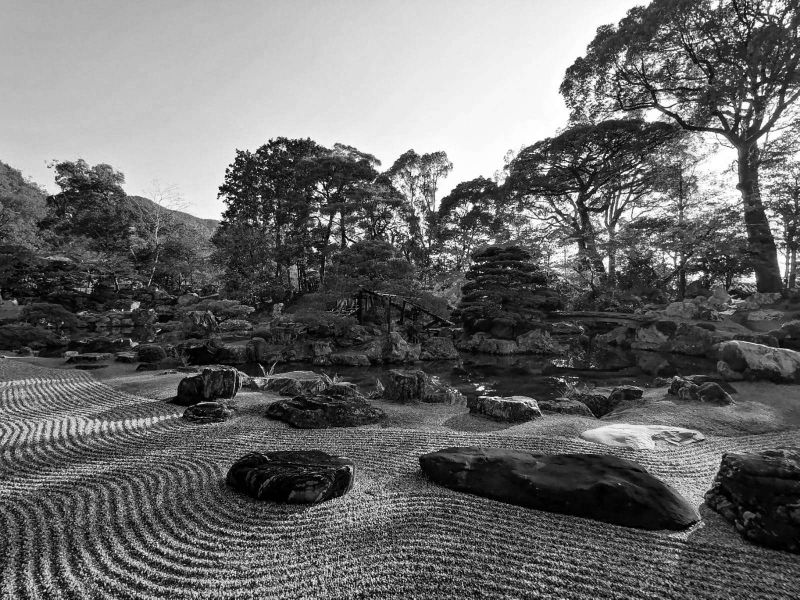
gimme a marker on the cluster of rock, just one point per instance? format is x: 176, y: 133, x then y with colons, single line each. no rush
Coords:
x: 536, y: 341
x: 699, y: 388
x: 688, y: 327
x: 339, y: 405
x: 361, y: 347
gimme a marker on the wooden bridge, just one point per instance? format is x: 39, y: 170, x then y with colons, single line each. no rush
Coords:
x: 366, y: 299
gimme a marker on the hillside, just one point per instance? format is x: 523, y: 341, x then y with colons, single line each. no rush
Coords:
x: 182, y: 217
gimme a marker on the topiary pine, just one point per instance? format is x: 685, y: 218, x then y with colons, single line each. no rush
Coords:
x: 506, y: 293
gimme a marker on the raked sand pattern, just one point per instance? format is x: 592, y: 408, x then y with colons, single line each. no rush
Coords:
x: 109, y: 495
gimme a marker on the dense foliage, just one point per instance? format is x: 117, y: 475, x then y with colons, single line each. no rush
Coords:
x: 506, y: 291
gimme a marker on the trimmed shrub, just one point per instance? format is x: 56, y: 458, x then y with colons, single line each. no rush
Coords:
x: 150, y: 353
x: 17, y: 335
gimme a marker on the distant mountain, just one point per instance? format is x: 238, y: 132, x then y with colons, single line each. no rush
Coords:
x: 182, y: 217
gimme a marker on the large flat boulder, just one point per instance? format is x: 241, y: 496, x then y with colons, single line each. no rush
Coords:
x: 756, y: 361
x: 303, y: 476
x: 642, y: 437
x: 212, y: 383
x: 605, y: 488
x: 760, y: 494
x: 511, y: 408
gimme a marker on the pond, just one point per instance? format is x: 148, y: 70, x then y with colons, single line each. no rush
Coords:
x: 540, y: 377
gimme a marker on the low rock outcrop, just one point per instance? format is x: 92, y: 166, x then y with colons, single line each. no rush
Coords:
x: 699, y: 388
x: 602, y: 401
x: 641, y: 437
x: 291, y: 383
x: 755, y: 361
x: 605, y: 488
x: 150, y: 353
x: 208, y: 412
x: 339, y: 406
x: 760, y: 494
x: 211, y: 383
x: 415, y: 385
x: 511, y: 408
x: 303, y: 476
x: 566, y: 406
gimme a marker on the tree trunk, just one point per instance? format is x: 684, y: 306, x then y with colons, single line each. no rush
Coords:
x: 760, y: 242
x: 344, y: 231
x: 612, y: 255
x: 323, y: 261
x: 682, y: 279
x: 793, y: 267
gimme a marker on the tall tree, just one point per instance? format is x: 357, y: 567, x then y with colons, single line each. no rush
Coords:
x: 418, y: 178
x: 468, y: 217
x: 588, y: 170
x: 271, y: 192
x: 784, y: 200
x: 92, y: 205
x: 341, y: 177
x: 728, y: 67
x: 22, y: 206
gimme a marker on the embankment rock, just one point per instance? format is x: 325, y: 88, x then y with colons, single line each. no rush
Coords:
x: 756, y: 361
x: 304, y: 476
x: 760, y: 494
x: 605, y: 488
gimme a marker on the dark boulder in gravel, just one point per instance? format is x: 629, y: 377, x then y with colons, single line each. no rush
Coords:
x: 304, y: 476
x: 211, y: 383
x: 208, y: 412
x: 601, y: 487
x: 760, y: 494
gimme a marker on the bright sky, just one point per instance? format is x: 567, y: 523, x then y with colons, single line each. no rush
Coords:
x: 168, y: 90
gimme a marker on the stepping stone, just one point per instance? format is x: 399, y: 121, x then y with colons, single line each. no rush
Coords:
x: 642, y: 437
x: 605, y: 488
x: 511, y: 408
x: 208, y: 412
x: 303, y: 476
x: 760, y: 494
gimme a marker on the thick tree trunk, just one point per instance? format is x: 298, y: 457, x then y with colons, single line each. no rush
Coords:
x: 612, y: 255
x: 682, y: 279
x: 760, y: 242
x: 323, y: 261
x: 590, y: 243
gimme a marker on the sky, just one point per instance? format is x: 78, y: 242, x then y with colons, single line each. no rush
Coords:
x: 167, y: 90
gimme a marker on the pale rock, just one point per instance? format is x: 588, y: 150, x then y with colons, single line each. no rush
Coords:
x: 642, y: 437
